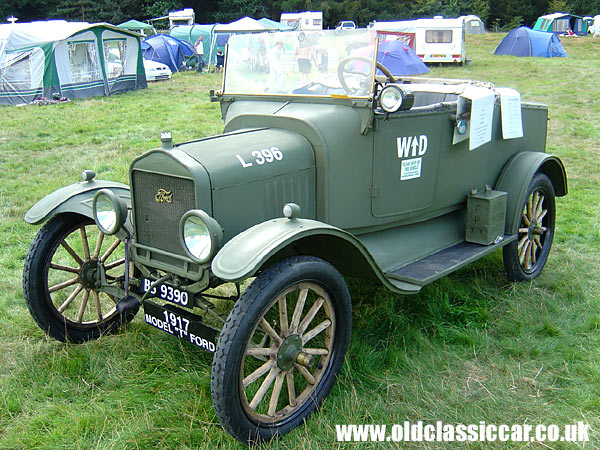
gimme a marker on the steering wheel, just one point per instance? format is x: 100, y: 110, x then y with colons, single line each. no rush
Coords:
x: 343, y: 71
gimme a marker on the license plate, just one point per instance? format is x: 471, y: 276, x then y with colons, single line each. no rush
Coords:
x: 181, y: 324
x: 166, y: 292
x: 438, y: 56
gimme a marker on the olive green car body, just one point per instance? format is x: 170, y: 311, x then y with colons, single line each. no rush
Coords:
x: 340, y: 165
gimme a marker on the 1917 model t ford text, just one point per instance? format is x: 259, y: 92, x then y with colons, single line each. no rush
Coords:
x: 346, y: 170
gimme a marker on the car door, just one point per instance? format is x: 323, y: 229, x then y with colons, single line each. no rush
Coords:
x: 406, y: 151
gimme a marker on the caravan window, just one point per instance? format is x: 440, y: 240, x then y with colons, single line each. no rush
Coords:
x: 114, y: 57
x: 83, y: 58
x: 438, y: 36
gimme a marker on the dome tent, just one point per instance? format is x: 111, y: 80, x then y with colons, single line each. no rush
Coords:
x: 67, y: 59
x: 167, y: 50
x: 524, y: 41
x: 400, y: 59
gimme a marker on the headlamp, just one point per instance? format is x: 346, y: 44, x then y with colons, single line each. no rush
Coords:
x: 109, y: 211
x: 395, y: 98
x: 200, y: 235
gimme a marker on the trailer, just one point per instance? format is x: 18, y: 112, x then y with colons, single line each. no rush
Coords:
x: 437, y: 40
x: 184, y: 17
x: 306, y: 20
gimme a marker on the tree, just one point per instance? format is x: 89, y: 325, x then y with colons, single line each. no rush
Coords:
x: 480, y: 8
x: 77, y: 10
x: 558, y: 6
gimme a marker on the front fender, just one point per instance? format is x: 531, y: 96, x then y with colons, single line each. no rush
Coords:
x: 248, y: 252
x: 76, y: 198
x: 517, y: 175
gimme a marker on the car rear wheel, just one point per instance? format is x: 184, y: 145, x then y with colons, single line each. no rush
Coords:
x: 525, y: 258
x: 281, y: 349
x: 60, y: 274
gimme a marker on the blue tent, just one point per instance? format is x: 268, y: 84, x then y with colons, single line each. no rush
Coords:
x: 167, y: 50
x: 524, y: 41
x: 399, y: 58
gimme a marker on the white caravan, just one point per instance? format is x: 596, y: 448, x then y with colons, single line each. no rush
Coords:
x: 307, y: 20
x: 184, y: 17
x: 437, y: 40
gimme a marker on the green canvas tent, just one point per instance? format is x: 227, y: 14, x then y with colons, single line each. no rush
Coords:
x: 272, y: 25
x: 190, y: 33
x: 138, y: 27
x: 67, y: 59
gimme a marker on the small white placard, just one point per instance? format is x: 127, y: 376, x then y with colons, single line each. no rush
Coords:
x: 510, y: 106
x: 482, y: 114
x: 411, y: 168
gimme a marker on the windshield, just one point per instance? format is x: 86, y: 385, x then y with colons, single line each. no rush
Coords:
x: 312, y: 63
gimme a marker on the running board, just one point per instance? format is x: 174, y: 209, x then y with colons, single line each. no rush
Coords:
x: 443, y: 262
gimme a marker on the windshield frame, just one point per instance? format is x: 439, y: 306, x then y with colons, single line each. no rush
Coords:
x: 368, y: 56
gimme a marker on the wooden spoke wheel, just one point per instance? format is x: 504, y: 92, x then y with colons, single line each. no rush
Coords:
x: 525, y: 258
x: 61, y: 279
x: 281, y: 348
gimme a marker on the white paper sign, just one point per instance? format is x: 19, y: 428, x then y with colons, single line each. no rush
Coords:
x: 411, y: 168
x: 482, y: 114
x: 510, y: 106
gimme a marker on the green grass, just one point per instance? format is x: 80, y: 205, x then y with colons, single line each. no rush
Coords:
x: 469, y: 347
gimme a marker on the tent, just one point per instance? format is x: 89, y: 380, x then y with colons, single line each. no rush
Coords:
x: 595, y: 28
x: 272, y: 25
x: 524, y: 41
x: 222, y: 32
x: 400, y: 59
x: 243, y: 25
x: 67, y: 59
x: 405, y: 29
x: 167, y: 50
x: 191, y: 33
x: 138, y: 27
x: 560, y: 22
x: 473, y: 24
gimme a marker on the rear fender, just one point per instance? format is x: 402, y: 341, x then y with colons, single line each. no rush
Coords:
x: 262, y: 245
x: 517, y: 175
x: 75, y: 198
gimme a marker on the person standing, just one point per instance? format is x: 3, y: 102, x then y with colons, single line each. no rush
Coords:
x: 275, y: 81
x: 199, y: 50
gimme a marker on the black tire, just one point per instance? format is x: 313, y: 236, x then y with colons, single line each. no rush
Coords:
x: 78, y: 311
x: 320, y: 284
x: 525, y: 258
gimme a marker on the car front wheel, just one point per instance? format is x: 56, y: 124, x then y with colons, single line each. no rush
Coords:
x: 281, y: 349
x: 61, y: 274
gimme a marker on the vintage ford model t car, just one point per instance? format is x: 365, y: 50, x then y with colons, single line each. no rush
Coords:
x: 335, y: 169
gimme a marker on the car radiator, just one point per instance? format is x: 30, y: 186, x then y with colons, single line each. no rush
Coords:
x: 159, y: 201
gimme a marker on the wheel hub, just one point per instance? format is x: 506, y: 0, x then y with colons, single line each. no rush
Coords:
x: 89, y: 274
x: 288, y: 351
x: 534, y: 230
x: 531, y: 229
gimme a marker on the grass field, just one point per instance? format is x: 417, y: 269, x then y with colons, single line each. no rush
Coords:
x: 471, y: 347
